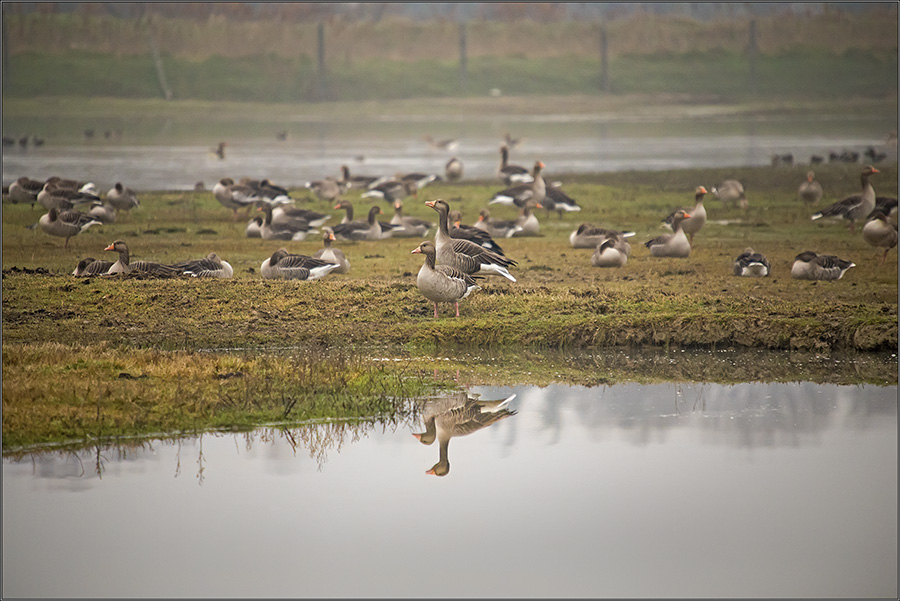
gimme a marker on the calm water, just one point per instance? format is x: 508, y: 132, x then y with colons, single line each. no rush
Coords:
x: 684, y: 490
x: 154, y: 154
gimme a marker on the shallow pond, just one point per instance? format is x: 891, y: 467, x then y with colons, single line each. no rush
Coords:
x: 628, y: 490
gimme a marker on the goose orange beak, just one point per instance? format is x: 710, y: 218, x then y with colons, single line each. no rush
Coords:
x: 412, y: 252
x: 110, y: 247
x: 430, y: 203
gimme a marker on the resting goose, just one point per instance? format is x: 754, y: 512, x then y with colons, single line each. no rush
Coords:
x: 612, y: 252
x: 500, y: 228
x: 392, y: 190
x: 691, y: 225
x: 810, y: 191
x: 126, y: 267
x: 63, y: 198
x: 880, y: 233
x: 328, y: 189
x: 122, y: 198
x: 731, y: 192
x: 254, y: 227
x: 331, y: 254
x: 457, y: 415
x: 360, y: 230
x: 234, y: 196
x: 90, y: 267
x: 284, y: 266
x: 70, y: 184
x: 857, y: 207
x: 751, y: 264
x: 672, y: 245
x: 24, y: 190
x: 65, y: 224
x: 210, y: 266
x: 408, y: 227
x: 453, y: 170
x: 472, y: 233
x: 528, y: 221
x: 465, y: 255
x: 559, y: 201
x: 810, y: 266
x: 591, y: 236
x: 293, y: 230
x: 442, y: 283
x: 522, y: 193
x: 512, y: 174
x: 102, y: 212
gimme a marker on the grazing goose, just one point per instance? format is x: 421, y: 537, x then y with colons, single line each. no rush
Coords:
x: 810, y: 191
x: 24, y: 190
x: 103, y: 212
x: 612, y: 252
x: 211, y: 266
x: 467, y: 256
x: 672, y: 245
x: 522, y: 193
x: 500, y: 228
x: 559, y: 201
x: 512, y: 174
x: 453, y: 170
x: 234, y: 196
x: 331, y: 254
x: 457, y: 414
x: 409, y: 227
x: 90, y: 267
x: 357, y: 181
x: 392, y: 190
x: 591, y: 236
x: 691, y: 225
x: 126, y: 267
x: 254, y: 227
x: 731, y: 192
x: 810, y: 266
x: 284, y: 266
x: 65, y: 224
x: 360, y: 230
x: 751, y: 264
x: 442, y: 283
x: 528, y: 221
x: 880, y: 233
x: 857, y: 207
x: 292, y: 230
x: 449, y: 144
x: 472, y: 233
x: 122, y: 198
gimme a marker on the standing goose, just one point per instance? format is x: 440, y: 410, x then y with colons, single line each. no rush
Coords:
x: 522, y: 193
x: 254, y: 227
x: 442, y: 283
x: 234, y: 196
x: 90, y: 267
x: 528, y: 221
x: 392, y: 190
x: 360, y: 230
x: 122, y: 198
x: 356, y: 181
x: 511, y: 174
x: 293, y: 230
x: 500, y: 228
x: 559, y: 201
x: 612, y: 252
x: 591, y: 236
x: 471, y: 233
x: 810, y: 266
x: 126, y: 267
x: 880, y: 233
x: 453, y: 170
x: 211, y: 266
x: 751, y: 264
x: 267, y: 191
x: 331, y: 254
x: 810, y: 191
x: 457, y: 415
x: 731, y: 192
x: 888, y: 206
x: 691, y: 225
x: 672, y: 245
x: 103, y: 212
x: 409, y: 227
x: 65, y: 224
x: 286, y: 214
x: 467, y: 256
x: 857, y: 207
x: 284, y: 266
x: 419, y: 179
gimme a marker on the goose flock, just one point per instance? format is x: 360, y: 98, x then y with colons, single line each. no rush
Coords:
x: 460, y: 255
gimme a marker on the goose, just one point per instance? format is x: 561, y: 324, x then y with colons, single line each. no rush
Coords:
x: 125, y: 266
x: 731, y: 192
x: 672, y: 245
x: 219, y: 151
x: 511, y: 174
x: 501, y: 228
x: 331, y: 254
x: 410, y: 227
x: 691, y: 225
x: 70, y: 184
x: 751, y: 264
x: 25, y: 189
x: 234, y: 196
x: 522, y: 193
x: 90, y: 267
x: 591, y: 236
x: 612, y: 252
x: 448, y: 144
x: 254, y: 227
x: 467, y: 256
x: 457, y: 414
x: 284, y: 266
x: 392, y: 190
x: 810, y: 191
x: 65, y: 224
x: 442, y: 283
x: 287, y: 214
x: 419, y: 179
x: 328, y: 189
x: 453, y: 170
x: 472, y: 233
x: 880, y: 233
x: 857, y: 207
x: 528, y: 221
x: 102, y: 212
x: 559, y: 201
x: 357, y: 181
x: 211, y: 266
x: 52, y: 195
x: 810, y: 266
x: 122, y: 198
x: 360, y: 230
x: 265, y: 190
x: 888, y: 206
x: 294, y: 230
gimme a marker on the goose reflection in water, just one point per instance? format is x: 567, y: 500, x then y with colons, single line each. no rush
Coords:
x: 458, y: 415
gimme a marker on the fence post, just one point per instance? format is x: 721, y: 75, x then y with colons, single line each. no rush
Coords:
x: 463, y: 60
x: 604, y: 60
x: 751, y: 57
